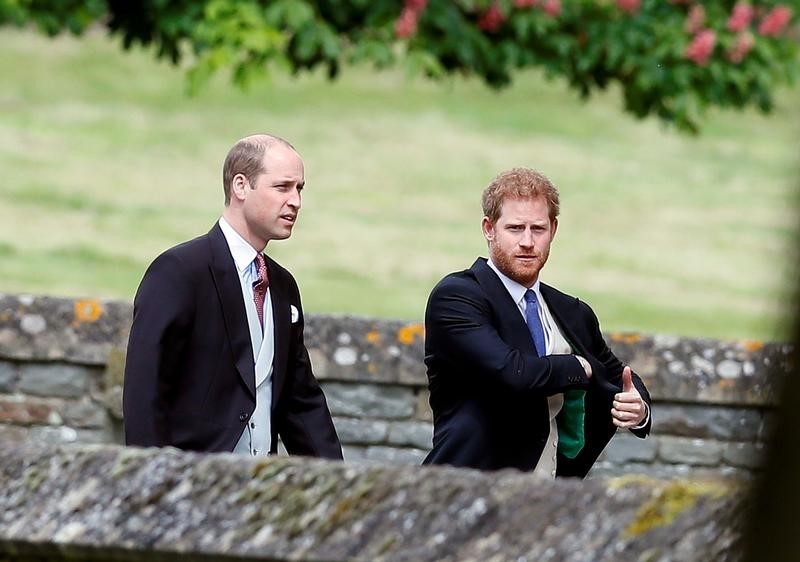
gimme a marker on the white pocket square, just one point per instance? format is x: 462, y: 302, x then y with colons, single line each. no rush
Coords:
x: 295, y: 313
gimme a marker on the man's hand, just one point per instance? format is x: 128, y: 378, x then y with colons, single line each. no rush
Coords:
x: 628, y: 409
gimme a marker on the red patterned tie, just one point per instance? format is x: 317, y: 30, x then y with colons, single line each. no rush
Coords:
x: 260, y: 287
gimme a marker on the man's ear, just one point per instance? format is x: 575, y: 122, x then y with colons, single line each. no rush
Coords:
x: 239, y: 186
x: 488, y: 229
x: 555, y: 227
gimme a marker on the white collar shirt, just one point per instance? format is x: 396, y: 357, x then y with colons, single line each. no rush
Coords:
x: 256, y: 438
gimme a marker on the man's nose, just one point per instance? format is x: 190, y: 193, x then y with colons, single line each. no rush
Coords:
x: 526, y: 241
x: 294, y: 199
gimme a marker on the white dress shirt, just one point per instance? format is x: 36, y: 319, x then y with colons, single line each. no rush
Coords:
x: 256, y: 438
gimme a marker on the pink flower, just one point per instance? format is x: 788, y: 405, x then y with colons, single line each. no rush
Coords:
x: 744, y: 42
x: 630, y: 6
x: 416, y: 5
x: 525, y: 3
x: 741, y: 16
x: 492, y: 19
x: 552, y: 7
x: 406, y: 24
x: 701, y: 47
x: 775, y: 21
x: 696, y: 19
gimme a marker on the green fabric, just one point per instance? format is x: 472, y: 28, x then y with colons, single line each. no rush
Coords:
x: 571, y: 437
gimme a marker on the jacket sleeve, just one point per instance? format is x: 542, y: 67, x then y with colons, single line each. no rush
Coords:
x: 304, y: 420
x: 162, y: 317
x: 460, y: 329
x: 614, y: 367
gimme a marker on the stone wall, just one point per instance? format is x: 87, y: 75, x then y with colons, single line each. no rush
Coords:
x: 61, y: 363
x: 110, y: 503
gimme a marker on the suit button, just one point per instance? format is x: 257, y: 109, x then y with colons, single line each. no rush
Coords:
x: 243, y: 416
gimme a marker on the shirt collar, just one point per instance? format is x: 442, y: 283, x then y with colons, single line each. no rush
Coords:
x: 516, y: 290
x: 243, y: 253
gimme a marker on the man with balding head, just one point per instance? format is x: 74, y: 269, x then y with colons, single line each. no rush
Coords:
x: 519, y: 374
x: 216, y: 360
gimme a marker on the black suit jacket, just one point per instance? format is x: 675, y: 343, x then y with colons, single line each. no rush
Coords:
x: 488, y: 386
x: 190, y: 374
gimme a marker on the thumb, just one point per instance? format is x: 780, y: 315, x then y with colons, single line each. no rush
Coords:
x: 627, y: 380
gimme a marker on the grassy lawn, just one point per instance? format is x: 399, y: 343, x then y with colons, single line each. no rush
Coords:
x: 105, y: 163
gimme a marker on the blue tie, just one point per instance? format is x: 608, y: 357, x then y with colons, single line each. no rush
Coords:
x: 534, y: 323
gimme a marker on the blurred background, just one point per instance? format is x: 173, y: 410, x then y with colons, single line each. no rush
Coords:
x: 106, y: 162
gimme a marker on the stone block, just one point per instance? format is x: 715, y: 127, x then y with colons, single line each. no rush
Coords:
x: 110, y: 391
x: 354, y: 453
x: 626, y: 447
x: 8, y: 377
x: 354, y: 431
x: 369, y: 400
x: 744, y: 455
x: 347, y: 348
x: 608, y: 469
x: 395, y: 455
x: 12, y: 435
x: 412, y: 434
x: 64, y: 435
x: 704, y: 421
x: 662, y: 471
x: 424, y: 411
x: 85, y: 413
x: 54, y: 379
x: 695, y: 452
x: 29, y: 410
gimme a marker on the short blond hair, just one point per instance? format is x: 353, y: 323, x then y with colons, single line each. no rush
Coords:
x: 521, y: 183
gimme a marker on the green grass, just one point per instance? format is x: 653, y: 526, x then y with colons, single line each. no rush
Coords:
x: 105, y: 163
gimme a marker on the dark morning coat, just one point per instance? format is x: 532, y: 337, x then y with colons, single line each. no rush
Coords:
x: 488, y: 387
x: 189, y: 374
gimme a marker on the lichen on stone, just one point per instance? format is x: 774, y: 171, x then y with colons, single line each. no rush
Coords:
x: 669, y: 501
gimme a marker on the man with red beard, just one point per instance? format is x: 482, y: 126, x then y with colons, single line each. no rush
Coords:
x: 519, y: 373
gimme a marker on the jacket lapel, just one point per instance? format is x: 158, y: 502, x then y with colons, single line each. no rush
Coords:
x: 229, y: 291
x: 281, y: 317
x: 510, y: 322
x: 566, y: 314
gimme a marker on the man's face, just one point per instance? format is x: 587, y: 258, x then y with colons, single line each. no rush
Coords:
x: 519, y: 242
x: 272, y: 203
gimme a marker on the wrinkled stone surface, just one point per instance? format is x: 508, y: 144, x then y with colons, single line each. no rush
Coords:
x: 45, y: 379
x: 395, y: 455
x: 356, y: 431
x: 689, y: 451
x: 703, y: 420
x: 369, y: 400
x: 745, y: 455
x: 411, y: 434
x: 8, y: 376
x: 625, y: 448
x: 24, y: 410
x: 142, y: 504
x: 50, y: 328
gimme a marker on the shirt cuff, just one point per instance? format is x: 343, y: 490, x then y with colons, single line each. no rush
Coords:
x: 646, y: 419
